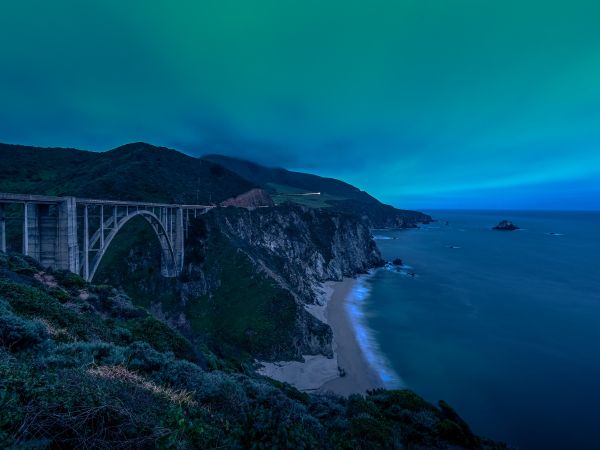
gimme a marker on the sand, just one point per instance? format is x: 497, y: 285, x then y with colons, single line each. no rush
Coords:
x: 319, y: 373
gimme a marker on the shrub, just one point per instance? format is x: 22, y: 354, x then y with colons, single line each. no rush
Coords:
x: 81, y: 354
x: 180, y: 374
x: 160, y: 336
x: 69, y: 280
x: 18, y: 334
x: 141, y: 357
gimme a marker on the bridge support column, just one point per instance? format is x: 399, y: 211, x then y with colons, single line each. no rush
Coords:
x: 86, y: 243
x: 67, y: 251
x: 31, y: 231
x: 47, y: 234
x: 50, y: 234
x: 179, y: 241
x: 2, y: 229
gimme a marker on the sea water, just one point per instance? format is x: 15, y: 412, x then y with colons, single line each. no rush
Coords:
x: 505, y: 326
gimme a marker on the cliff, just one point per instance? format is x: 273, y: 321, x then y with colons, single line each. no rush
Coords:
x: 249, y: 274
x: 301, y: 247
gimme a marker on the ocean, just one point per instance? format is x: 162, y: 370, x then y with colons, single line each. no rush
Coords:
x: 504, y: 326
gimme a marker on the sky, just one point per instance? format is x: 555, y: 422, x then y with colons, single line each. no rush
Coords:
x: 423, y: 103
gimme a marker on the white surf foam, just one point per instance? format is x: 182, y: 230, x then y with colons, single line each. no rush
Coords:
x: 366, y: 337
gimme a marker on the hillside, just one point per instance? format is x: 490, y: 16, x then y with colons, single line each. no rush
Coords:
x: 81, y: 367
x: 169, y: 362
x: 297, y: 187
x: 140, y: 171
x: 248, y: 276
x: 135, y: 171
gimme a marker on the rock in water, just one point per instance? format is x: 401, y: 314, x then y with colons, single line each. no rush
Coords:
x: 506, y: 225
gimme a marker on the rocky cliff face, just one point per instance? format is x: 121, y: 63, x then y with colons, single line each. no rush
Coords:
x: 301, y: 247
x: 378, y: 215
x: 249, y: 274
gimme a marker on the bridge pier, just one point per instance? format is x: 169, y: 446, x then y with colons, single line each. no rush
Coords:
x: 2, y: 229
x: 31, y: 230
x: 50, y: 234
x: 179, y: 241
x: 86, y: 244
x: 67, y: 250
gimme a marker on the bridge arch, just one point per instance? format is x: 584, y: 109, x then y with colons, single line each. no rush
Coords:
x: 167, y: 241
x: 57, y: 231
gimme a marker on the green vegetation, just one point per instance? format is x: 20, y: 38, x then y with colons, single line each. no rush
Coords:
x: 303, y: 182
x: 86, y: 366
x: 246, y: 311
x: 243, y: 314
x: 132, y: 263
x: 80, y: 366
x: 334, y: 194
x: 132, y: 172
x: 283, y: 194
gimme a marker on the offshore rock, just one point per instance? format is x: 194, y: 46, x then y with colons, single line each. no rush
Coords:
x: 506, y: 225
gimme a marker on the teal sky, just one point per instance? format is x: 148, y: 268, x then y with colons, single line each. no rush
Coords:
x: 424, y: 103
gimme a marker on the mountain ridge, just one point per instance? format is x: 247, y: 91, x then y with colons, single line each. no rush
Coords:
x: 136, y: 171
x: 144, y: 172
x: 316, y: 191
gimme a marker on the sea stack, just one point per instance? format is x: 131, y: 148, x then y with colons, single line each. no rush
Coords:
x: 506, y: 225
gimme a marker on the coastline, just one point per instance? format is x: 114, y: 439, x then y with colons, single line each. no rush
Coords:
x: 319, y: 373
x: 359, y: 375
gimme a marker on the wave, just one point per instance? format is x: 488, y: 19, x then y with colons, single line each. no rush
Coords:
x: 366, y: 337
x: 382, y: 238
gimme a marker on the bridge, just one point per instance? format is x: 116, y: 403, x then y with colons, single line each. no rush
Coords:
x: 69, y: 233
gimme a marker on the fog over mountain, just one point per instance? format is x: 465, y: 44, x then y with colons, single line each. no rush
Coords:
x: 422, y: 104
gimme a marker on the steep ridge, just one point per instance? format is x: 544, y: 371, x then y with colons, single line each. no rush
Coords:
x: 289, y: 186
x: 135, y: 171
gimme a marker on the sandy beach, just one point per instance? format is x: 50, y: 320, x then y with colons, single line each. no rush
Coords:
x: 359, y: 376
x: 319, y: 373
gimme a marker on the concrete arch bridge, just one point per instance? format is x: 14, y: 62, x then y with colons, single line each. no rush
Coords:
x: 74, y: 234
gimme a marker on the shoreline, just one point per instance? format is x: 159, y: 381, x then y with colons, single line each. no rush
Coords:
x: 360, y: 376
x: 319, y: 373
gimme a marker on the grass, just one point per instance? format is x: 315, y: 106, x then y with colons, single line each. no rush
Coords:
x: 283, y: 194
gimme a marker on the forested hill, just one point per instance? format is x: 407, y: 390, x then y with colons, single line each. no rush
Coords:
x: 144, y: 172
x: 135, y: 171
x: 302, y: 188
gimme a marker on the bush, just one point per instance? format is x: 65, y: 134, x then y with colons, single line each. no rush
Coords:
x: 180, y: 375
x: 69, y: 280
x: 18, y: 334
x: 141, y: 357
x: 160, y: 336
x: 80, y: 354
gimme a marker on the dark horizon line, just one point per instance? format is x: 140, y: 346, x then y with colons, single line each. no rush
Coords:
x: 507, y: 210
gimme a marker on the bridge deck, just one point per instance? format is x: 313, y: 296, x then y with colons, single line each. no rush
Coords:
x: 49, y: 199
